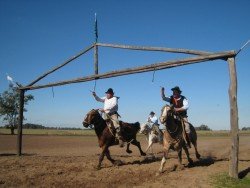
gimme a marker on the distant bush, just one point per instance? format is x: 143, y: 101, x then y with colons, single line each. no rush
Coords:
x: 203, y: 128
x: 245, y: 129
x: 33, y: 126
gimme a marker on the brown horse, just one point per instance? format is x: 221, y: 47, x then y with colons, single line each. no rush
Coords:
x: 106, y: 135
x: 173, y: 136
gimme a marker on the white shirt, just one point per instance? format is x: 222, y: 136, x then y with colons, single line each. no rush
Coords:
x: 153, y: 120
x: 110, y: 105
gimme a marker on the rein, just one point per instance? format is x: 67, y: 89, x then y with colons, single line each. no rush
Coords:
x: 173, y: 132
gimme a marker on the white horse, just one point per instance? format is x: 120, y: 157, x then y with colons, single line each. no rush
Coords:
x: 153, y: 136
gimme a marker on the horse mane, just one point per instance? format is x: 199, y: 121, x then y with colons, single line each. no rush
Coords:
x: 100, y: 124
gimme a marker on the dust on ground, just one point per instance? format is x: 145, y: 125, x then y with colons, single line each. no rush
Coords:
x: 70, y: 161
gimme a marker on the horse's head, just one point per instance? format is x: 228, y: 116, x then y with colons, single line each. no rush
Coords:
x: 91, y: 118
x: 164, y: 113
x: 144, y: 129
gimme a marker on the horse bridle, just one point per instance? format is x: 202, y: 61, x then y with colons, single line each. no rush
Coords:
x: 91, y: 126
x: 172, y: 113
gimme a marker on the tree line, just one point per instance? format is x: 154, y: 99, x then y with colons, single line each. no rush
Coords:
x: 9, y: 107
x: 37, y: 126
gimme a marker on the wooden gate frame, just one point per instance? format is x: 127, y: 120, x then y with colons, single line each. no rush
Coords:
x: 201, y: 56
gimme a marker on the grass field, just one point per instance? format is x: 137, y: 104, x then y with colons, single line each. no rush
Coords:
x: 87, y: 132
x: 83, y: 132
x: 222, y: 180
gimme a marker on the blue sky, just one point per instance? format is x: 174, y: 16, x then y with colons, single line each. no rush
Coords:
x: 38, y: 35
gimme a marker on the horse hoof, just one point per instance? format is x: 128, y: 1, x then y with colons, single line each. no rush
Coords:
x: 118, y: 163
x: 158, y: 173
x: 181, y: 167
x: 198, y: 156
x: 190, y: 162
x: 98, y: 167
x: 129, y: 151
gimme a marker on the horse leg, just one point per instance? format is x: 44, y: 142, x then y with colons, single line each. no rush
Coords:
x: 196, y: 150
x: 114, y: 162
x: 180, y: 156
x: 180, y: 159
x: 150, y: 143
x: 187, y: 154
x: 128, y: 150
x: 104, y: 150
x: 109, y: 157
x: 163, y: 161
x: 194, y: 141
x: 136, y: 143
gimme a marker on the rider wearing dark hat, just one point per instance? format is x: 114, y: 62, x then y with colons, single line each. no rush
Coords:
x: 111, y: 109
x: 180, y: 104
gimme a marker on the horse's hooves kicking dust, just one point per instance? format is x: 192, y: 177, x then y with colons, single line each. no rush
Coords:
x: 129, y: 151
x: 118, y: 163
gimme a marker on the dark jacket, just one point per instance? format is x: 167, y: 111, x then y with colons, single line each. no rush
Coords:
x: 178, y: 104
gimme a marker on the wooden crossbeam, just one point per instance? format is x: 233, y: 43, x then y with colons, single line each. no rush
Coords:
x: 147, y: 68
x: 60, y: 66
x: 160, y: 49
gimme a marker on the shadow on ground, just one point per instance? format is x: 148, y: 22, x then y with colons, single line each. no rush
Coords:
x: 14, y: 154
x: 244, y: 173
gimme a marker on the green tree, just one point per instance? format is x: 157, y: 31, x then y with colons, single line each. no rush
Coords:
x: 245, y: 128
x: 9, y: 106
x: 203, y: 128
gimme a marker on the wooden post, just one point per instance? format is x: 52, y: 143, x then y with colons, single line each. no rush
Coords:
x: 234, y: 155
x: 20, y: 123
x: 96, y: 59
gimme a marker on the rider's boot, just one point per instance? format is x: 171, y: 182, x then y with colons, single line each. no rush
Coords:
x: 119, y: 137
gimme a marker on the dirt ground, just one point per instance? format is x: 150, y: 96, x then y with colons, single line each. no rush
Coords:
x: 69, y: 161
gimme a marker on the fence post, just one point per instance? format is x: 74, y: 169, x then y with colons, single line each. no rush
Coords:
x: 234, y: 155
x: 20, y: 123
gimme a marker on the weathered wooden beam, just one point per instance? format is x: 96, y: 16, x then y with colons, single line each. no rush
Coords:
x: 161, y: 49
x: 20, y: 123
x: 60, y: 66
x: 152, y: 67
x: 234, y: 155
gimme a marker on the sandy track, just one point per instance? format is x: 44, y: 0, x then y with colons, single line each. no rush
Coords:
x: 63, y: 161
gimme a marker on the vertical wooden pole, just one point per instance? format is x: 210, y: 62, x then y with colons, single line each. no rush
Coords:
x: 96, y: 59
x: 20, y: 123
x: 233, y: 161
x: 96, y: 46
